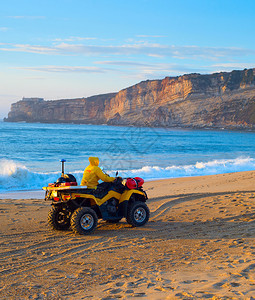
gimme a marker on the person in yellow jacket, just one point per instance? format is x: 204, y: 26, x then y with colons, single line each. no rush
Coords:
x: 93, y: 173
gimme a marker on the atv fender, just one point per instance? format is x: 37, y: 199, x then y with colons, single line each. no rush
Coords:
x: 129, y: 193
x: 126, y: 199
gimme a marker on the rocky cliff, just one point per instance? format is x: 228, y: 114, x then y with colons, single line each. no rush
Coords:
x: 218, y: 100
x: 82, y: 110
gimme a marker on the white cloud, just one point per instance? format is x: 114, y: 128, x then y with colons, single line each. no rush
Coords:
x: 143, y: 70
x: 65, y: 69
x: 123, y: 63
x: 139, y: 70
x: 74, y: 38
x: 29, y: 48
x: 234, y: 65
x: 141, y: 49
x: 124, y: 69
x: 156, y: 50
x: 169, y: 68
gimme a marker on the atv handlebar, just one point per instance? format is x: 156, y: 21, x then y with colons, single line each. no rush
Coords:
x: 118, y: 179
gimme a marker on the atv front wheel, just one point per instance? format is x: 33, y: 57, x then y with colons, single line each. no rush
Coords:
x: 84, y: 220
x: 59, y: 218
x: 138, y: 214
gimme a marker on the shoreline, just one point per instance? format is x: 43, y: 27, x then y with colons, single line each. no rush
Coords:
x: 198, y: 244
x: 26, y: 194
x: 241, y: 128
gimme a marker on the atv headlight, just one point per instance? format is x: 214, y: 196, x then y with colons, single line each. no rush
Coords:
x: 54, y: 194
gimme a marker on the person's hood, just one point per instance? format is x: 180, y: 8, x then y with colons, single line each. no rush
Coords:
x: 94, y: 161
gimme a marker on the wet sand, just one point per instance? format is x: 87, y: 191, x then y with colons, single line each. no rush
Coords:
x: 198, y: 244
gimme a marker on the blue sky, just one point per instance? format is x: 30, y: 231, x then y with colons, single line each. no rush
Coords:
x: 78, y: 48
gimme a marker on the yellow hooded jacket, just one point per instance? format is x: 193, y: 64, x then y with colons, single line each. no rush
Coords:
x: 93, y: 173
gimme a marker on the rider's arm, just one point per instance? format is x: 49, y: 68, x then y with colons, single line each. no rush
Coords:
x: 84, y: 181
x: 103, y: 176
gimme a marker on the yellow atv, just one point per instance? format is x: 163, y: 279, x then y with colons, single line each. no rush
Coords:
x: 80, y: 207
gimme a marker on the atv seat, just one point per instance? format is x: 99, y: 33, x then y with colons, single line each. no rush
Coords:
x: 102, y: 189
x: 85, y: 191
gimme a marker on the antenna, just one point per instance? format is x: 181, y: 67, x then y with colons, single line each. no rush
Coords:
x: 63, y: 166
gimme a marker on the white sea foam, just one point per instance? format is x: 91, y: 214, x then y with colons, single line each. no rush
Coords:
x: 198, y: 169
x: 15, y: 176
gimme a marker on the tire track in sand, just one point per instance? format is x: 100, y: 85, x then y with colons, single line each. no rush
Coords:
x: 156, y: 232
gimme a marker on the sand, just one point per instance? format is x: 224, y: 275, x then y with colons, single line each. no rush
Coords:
x: 198, y: 244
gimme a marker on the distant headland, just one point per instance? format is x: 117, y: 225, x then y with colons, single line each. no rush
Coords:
x: 219, y: 100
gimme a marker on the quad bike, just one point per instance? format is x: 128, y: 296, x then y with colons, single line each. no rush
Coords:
x: 80, y: 208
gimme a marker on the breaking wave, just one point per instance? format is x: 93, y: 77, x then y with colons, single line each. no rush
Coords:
x: 198, y: 169
x: 15, y: 176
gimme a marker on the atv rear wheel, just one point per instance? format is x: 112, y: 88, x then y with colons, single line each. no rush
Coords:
x: 138, y: 214
x: 84, y: 220
x: 59, y: 218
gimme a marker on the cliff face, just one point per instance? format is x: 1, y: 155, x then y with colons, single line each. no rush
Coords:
x: 82, y: 110
x: 194, y: 100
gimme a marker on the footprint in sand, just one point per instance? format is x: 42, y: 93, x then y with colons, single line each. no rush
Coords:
x: 120, y: 284
x: 150, y: 284
x: 115, y: 291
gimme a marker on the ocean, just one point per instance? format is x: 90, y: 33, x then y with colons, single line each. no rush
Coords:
x: 30, y: 154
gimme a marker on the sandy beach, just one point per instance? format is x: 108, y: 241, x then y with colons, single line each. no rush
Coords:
x: 198, y: 244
